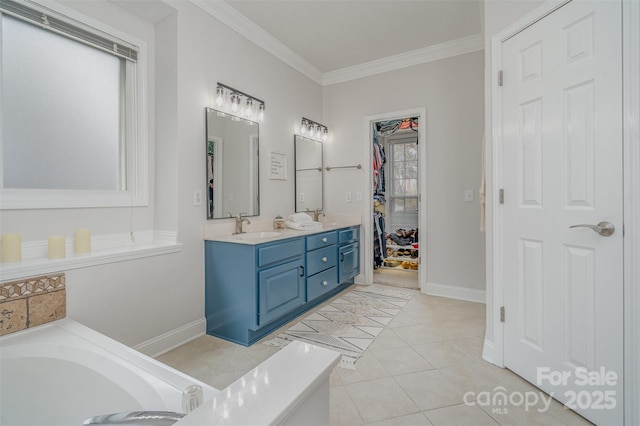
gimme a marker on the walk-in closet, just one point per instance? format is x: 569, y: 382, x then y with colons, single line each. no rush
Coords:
x: 396, y: 245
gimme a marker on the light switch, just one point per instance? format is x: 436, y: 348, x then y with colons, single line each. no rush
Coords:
x: 348, y: 197
x: 468, y: 195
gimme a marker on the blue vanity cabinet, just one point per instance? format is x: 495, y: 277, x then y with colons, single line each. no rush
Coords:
x: 348, y: 254
x: 322, y: 271
x: 250, y: 288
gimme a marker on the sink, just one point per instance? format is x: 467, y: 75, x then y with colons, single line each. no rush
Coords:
x: 257, y: 235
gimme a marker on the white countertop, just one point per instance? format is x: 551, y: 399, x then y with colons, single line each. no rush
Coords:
x: 223, y: 231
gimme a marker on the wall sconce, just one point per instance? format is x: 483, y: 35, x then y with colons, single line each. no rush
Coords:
x: 313, y: 130
x: 239, y: 103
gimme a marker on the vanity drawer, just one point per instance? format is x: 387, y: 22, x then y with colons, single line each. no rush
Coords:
x: 321, y: 259
x: 349, y: 235
x: 321, y: 240
x: 279, y: 252
x: 320, y: 283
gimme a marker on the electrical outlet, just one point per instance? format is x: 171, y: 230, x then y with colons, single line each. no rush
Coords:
x: 468, y: 195
x: 359, y: 196
x: 348, y: 197
x: 301, y: 197
x: 197, y: 197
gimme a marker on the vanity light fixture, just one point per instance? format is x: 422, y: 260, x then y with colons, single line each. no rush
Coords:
x: 239, y: 103
x: 220, y: 97
x: 313, y: 130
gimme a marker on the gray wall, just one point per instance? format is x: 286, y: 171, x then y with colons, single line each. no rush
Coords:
x: 452, y: 92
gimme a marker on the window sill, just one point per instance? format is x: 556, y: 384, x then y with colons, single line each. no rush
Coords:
x: 105, y: 249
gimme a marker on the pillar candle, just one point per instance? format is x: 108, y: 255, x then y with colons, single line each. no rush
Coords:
x: 56, y: 247
x: 83, y: 241
x: 11, y: 248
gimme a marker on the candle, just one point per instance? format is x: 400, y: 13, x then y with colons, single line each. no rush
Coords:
x: 11, y: 248
x: 83, y: 241
x: 56, y: 247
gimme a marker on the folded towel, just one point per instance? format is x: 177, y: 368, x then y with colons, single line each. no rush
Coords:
x: 303, y: 226
x: 300, y: 217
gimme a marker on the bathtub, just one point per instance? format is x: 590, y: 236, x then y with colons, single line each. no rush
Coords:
x: 62, y: 373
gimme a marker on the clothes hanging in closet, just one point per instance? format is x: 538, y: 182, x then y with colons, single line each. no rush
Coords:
x: 379, y: 240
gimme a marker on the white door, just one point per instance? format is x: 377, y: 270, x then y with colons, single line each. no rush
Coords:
x: 562, y: 166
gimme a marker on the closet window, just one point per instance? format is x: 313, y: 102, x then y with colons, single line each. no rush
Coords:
x: 70, y: 113
x: 404, y: 183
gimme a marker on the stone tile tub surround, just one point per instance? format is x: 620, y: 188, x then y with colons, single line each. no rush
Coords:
x: 30, y: 302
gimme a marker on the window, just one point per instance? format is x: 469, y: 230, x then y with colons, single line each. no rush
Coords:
x: 404, y: 183
x: 72, y: 129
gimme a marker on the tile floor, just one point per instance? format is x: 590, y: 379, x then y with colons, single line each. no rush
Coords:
x: 396, y: 277
x: 416, y: 372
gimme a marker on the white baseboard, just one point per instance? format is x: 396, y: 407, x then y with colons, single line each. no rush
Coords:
x: 455, y: 292
x: 172, y: 339
x: 488, y: 352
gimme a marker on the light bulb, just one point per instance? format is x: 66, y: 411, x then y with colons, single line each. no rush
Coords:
x: 261, y: 113
x: 310, y: 130
x: 235, y: 102
x: 303, y: 127
x: 248, y: 111
x: 220, y: 96
x: 325, y: 135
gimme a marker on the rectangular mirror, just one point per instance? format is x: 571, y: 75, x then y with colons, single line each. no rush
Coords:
x: 232, y: 165
x: 309, y: 173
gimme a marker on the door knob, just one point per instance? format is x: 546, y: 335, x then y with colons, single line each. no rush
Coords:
x: 603, y: 228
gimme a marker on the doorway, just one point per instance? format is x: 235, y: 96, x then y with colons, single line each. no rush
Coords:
x: 392, y: 215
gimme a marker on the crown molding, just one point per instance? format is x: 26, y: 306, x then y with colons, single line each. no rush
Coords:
x: 403, y: 60
x: 254, y: 33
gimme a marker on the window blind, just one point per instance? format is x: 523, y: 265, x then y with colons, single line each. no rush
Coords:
x: 52, y: 21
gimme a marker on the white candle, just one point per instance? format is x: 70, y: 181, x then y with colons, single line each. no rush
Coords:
x: 83, y: 241
x: 56, y: 248
x: 11, y: 248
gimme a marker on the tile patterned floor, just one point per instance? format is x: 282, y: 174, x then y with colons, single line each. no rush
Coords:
x: 416, y: 372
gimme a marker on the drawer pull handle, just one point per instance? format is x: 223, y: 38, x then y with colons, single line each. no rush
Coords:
x: 325, y: 283
x: 324, y: 259
x: 302, y: 271
x: 324, y: 239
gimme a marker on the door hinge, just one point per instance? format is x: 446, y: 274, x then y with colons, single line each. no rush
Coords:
x: 500, y: 78
x: 502, y: 314
x: 501, y: 196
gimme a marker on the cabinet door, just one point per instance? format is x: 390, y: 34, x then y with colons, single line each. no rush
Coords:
x: 281, y: 289
x: 348, y: 262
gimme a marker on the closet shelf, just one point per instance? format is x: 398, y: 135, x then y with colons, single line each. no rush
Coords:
x: 402, y: 258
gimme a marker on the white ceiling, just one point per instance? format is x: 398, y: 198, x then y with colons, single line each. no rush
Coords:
x: 335, y: 34
x: 337, y: 40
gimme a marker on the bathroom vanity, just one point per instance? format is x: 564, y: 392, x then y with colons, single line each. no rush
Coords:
x: 255, y: 285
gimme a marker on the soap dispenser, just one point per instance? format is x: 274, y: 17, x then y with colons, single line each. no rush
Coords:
x: 278, y: 222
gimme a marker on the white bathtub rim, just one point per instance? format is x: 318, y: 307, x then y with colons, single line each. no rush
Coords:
x: 89, y: 343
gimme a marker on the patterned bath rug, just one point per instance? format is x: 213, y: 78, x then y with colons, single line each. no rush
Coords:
x: 348, y: 324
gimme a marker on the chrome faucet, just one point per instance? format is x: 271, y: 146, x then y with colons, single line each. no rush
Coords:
x: 317, y: 213
x: 239, y: 221
x: 156, y: 418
